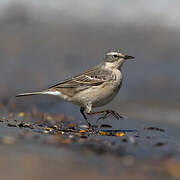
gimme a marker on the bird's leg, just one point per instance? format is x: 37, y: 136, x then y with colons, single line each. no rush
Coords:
x: 107, y: 112
x: 82, y: 109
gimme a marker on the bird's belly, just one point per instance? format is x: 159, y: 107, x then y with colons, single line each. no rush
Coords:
x: 97, y: 95
x: 105, y: 95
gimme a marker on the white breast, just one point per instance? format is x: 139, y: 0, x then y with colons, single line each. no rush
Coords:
x: 107, y: 91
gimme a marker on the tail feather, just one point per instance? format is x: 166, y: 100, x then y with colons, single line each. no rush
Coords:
x: 29, y: 94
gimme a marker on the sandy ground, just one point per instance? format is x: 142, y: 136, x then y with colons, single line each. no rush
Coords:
x: 43, y: 146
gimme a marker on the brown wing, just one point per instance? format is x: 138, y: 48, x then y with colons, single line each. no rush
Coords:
x: 92, y: 77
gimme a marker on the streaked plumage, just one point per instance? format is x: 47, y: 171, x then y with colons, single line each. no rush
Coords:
x: 93, y: 88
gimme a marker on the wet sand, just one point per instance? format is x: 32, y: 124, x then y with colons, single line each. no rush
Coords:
x: 36, y: 145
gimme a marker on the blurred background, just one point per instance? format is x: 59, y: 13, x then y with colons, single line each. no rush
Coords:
x: 43, y: 42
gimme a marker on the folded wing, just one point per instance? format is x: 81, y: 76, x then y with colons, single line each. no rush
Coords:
x: 92, y: 77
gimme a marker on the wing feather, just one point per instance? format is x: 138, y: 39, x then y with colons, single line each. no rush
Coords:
x: 92, y: 77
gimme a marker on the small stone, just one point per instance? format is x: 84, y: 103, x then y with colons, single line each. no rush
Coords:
x: 105, y: 126
x: 48, y: 129
x: 119, y: 134
x: 158, y: 144
x: 25, y: 125
x: 154, y: 129
x: 55, y: 127
x: 83, y: 126
x: 46, y: 132
x: 11, y: 125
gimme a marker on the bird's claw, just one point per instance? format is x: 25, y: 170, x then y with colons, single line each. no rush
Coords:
x: 113, y: 113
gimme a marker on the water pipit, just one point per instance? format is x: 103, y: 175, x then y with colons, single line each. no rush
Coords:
x: 92, y: 88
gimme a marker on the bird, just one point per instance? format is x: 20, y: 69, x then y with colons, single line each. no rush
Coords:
x: 93, y: 88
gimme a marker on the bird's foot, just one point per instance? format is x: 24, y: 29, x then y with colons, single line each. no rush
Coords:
x: 111, y: 113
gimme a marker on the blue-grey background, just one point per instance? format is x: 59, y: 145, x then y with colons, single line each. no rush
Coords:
x: 43, y: 42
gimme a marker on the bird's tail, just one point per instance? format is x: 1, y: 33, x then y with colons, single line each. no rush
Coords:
x: 29, y: 94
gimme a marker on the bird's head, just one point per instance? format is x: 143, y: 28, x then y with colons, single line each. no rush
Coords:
x: 115, y: 59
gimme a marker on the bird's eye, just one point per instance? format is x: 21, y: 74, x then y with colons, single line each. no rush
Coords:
x: 115, y: 55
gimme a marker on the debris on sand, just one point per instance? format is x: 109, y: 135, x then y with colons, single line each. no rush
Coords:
x: 25, y: 125
x: 154, y: 129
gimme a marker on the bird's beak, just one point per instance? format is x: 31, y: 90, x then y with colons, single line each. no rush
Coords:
x: 128, y: 57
